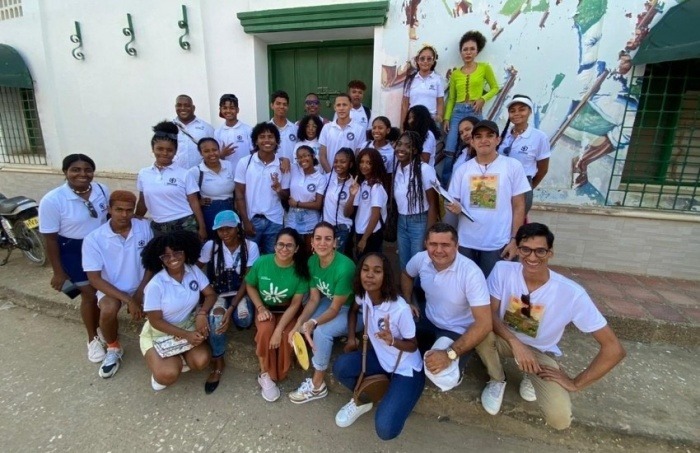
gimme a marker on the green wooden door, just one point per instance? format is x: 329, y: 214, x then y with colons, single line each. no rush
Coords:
x: 324, y: 68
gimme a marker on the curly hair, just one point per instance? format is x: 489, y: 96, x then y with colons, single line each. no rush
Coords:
x: 165, y: 130
x: 301, y: 258
x: 185, y: 241
x: 301, y: 130
x: 473, y: 35
x: 264, y: 127
x: 378, y: 171
x: 416, y: 193
x: 422, y: 123
x: 388, y: 290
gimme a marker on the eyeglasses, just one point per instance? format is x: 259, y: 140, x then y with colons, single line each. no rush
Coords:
x: 312, y: 102
x: 426, y: 58
x: 525, y: 298
x: 91, y: 208
x: 169, y: 256
x: 506, y: 151
x: 540, y: 252
x: 282, y: 245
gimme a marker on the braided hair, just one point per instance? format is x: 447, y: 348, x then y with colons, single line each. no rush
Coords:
x: 219, y: 248
x: 416, y: 193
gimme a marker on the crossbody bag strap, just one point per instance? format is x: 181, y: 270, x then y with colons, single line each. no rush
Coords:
x: 181, y: 127
x: 365, y: 340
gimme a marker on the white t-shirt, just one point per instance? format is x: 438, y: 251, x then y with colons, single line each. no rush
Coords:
x: 187, y: 155
x: 529, y: 148
x: 552, y: 307
x: 313, y: 144
x: 175, y: 299
x: 304, y: 187
x: 358, y: 116
x: 487, y: 195
x: 334, y: 137
x: 403, y: 178
x: 117, y: 257
x: 387, y: 153
x: 230, y: 258
x: 240, y: 136
x: 425, y: 91
x: 64, y: 212
x: 402, y: 327
x: 429, y: 147
x: 450, y: 293
x: 217, y: 186
x: 259, y: 196
x: 462, y: 158
x: 336, y: 195
x: 288, y: 140
x: 366, y: 199
x: 165, y: 192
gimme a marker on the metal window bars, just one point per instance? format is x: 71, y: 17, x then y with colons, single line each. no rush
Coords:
x: 21, y: 141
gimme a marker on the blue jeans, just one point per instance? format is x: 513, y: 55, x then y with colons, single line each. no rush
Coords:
x: 410, y: 236
x: 303, y: 220
x: 217, y: 341
x: 265, y: 234
x: 326, y: 333
x: 400, y: 399
x: 485, y: 259
x: 459, y: 112
x: 209, y: 212
x: 342, y: 233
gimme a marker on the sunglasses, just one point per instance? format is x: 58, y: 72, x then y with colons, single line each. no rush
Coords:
x: 312, y: 102
x: 426, y: 58
x: 91, y: 208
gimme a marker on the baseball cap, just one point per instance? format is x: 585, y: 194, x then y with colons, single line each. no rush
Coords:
x: 519, y: 100
x: 226, y: 219
x: 490, y: 125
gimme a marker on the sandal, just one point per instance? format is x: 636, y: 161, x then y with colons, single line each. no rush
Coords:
x: 209, y: 387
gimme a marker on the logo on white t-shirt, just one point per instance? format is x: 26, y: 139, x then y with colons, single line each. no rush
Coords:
x: 239, y: 138
x: 141, y: 243
x: 311, y: 187
x: 384, y: 158
x: 343, y: 195
x: 431, y: 87
x: 365, y: 194
x: 172, y: 181
x: 292, y: 137
x: 350, y: 135
x: 381, y: 323
x: 194, y: 286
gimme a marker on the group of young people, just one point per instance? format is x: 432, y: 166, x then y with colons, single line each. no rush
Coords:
x: 281, y: 225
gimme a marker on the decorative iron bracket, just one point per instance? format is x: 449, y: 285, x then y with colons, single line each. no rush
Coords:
x: 129, y: 32
x: 184, y: 25
x: 77, y: 38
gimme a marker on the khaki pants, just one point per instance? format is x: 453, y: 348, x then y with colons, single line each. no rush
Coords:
x: 553, y: 399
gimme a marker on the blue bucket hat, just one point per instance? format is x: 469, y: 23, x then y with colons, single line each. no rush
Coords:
x: 226, y: 219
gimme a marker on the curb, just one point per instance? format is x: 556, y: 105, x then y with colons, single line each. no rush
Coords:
x: 461, y: 405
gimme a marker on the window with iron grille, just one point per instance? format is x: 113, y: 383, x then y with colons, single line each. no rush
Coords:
x: 661, y: 166
x: 10, y: 9
x: 21, y: 141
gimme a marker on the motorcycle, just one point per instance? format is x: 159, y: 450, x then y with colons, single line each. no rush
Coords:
x: 19, y: 222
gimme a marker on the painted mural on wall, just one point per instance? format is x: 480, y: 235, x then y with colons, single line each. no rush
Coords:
x: 573, y: 58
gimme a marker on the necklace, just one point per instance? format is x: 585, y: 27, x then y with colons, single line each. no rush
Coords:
x: 80, y: 192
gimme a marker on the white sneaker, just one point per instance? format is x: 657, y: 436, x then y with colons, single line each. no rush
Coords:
x: 110, y: 365
x: 307, y: 392
x: 527, y: 390
x: 242, y: 309
x: 347, y: 414
x: 101, y: 336
x: 96, y: 352
x: 492, y: 396
x: 270, y: 392
x: 157, y: 386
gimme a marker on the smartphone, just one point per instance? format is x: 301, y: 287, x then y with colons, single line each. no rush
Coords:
x: 70, y: 290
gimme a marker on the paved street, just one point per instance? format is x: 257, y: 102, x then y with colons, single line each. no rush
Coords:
x: 51, y: 399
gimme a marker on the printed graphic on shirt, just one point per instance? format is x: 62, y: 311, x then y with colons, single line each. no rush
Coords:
x: 523, y: 315
x: 365, y: 194
x: 324, y: 288
x: 274, y: 295
x: 483, y: 191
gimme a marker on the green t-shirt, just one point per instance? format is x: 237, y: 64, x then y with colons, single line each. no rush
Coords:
x: 276, y: 285
x: 334, y: 280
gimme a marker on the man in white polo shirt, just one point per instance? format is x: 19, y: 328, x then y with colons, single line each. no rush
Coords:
x: 234, y: 135
x: 359, y: 113
x: 343, y: 132
x: 279, y: 104
x: 260, y: 189
x: 532, y: 305
x: 112, y: 262
x: 457, y: 303
x: 192, y: 129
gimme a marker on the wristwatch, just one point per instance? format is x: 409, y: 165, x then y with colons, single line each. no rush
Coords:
x: 452, y: 354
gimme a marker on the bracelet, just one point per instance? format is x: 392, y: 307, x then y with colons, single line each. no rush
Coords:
x: 314, y: 321
x: 260, y: 307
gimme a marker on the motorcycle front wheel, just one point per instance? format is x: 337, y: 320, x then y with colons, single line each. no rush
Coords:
x: 31, y: 242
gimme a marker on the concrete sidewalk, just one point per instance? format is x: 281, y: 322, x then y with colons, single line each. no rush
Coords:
x: 653, y: 394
